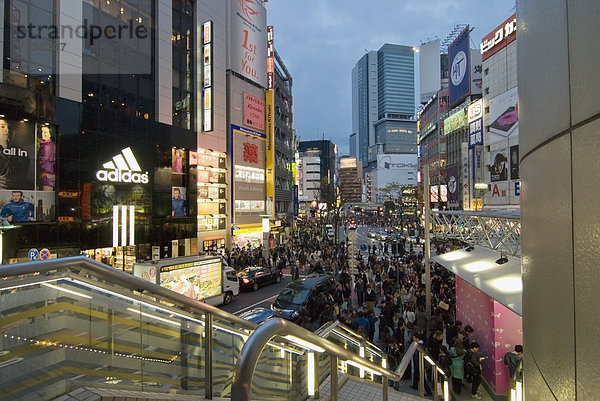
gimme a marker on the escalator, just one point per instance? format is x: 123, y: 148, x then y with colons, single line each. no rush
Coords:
x: 73, y: 322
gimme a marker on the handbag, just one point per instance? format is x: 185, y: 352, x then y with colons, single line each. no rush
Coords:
x: 443, y: 305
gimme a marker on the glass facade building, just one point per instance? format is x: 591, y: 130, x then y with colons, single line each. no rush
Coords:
x: 101, y: 140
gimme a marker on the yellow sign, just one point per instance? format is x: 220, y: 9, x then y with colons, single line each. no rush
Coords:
x: 248, y: 229
x: 270, y: 134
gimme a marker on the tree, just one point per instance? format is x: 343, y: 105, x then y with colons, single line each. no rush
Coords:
x: 393, y: 193
x: 335, y: 202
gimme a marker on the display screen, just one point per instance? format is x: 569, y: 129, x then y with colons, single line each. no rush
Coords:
x: 197, y: 280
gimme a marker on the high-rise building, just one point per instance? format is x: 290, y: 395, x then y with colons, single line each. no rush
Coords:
x: 317, y: 163
x: 285, y: 137
x: 350, y: 180
x: 383, y: 87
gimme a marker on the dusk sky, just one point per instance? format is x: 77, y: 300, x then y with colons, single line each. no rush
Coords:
x: 320, y: 41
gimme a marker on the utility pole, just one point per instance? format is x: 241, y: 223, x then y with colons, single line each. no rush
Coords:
x: 426, y: 248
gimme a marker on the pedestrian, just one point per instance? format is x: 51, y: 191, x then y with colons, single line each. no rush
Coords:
x: 473, y: 367
x: 359, y: 288
x: 457, y: 353
x: 370, y: 297
x: 416, y: 337
x: 514, y: 363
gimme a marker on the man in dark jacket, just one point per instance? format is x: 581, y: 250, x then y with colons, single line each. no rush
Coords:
x: 473, y: 362
x: 435, y: 344
x: 512, y: 360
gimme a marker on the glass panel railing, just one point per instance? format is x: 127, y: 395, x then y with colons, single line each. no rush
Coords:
x: 86, y: 324
x: 72, y: 335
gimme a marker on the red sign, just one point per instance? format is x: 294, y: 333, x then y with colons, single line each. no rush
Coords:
x: 499, y: 38
x: 250, y: 152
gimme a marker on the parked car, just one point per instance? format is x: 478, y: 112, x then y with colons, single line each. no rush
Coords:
x: 251, y: 278
x: 381, y: 236
x: 257, y: 315
x: 416, y: 240
x: 309, y: 292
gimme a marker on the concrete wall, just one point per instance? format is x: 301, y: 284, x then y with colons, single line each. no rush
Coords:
x: 558, y: 60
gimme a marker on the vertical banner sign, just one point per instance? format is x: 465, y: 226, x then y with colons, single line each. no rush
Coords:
x: 464, y: 176
x: 296, y: 201
x: 476, y: 123
x: 460, y: 70
x: 270, y: 59
x: 453, y: 188
x: 207, y: 30
x: 270, y: 147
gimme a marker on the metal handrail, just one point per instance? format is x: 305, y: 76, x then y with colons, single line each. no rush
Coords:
x: 244, y: 370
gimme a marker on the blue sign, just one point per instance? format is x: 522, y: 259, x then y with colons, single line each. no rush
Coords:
x: 476, y: 132
x: 33, y: 254
x: 363, y: 247
x: 459, y: 55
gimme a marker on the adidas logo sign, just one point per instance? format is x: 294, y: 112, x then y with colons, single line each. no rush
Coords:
x: 123, y: 168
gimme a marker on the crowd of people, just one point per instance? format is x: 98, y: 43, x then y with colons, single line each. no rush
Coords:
x: 383, y: 299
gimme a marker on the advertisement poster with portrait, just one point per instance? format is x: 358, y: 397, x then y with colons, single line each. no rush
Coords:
x: 178, y: 161
x: 498, y: 165
x: 17, y: 154
x: 46, y: 157
x: 178, y: 202
x: 23, y: 198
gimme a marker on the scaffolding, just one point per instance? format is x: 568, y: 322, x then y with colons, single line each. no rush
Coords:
x: 499, y: 231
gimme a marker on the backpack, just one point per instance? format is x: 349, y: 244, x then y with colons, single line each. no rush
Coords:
x: 469, y: 367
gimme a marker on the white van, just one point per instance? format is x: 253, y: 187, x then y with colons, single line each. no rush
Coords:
x: 330, y: 231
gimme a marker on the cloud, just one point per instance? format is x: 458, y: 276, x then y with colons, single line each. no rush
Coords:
x: 320, y: 41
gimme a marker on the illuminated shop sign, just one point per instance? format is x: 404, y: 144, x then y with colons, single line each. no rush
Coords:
x: 476, y: 123
x: 207, y: 63
x: 123, y: 168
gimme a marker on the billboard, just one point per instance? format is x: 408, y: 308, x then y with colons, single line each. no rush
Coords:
x: 348, y: 162
x: 247, y: 40
x: 455, y: 121
x: 499, y: 38
x: 248, y: 169
x: 429, y: 69
x: 504, y: 114
x: 460, y: 67
x: 27, y: 171
x: 475, y: 113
